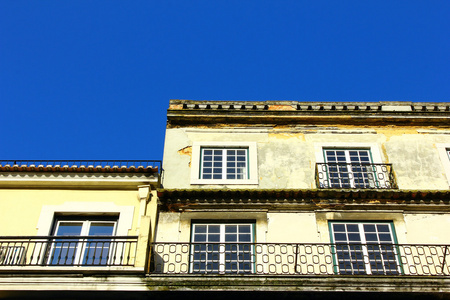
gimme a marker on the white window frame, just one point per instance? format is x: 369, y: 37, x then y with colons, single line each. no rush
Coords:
x: 252, y: 162
x: 373, y: 148
x: 48, y: 213
x: 222, y: 252
x: 81, y: 244
x: 443, y: 150
x: 342, y: 168
x: 365, y: 246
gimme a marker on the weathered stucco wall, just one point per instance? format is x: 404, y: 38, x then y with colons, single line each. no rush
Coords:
x: 416, y: 160
x: 287, y: 156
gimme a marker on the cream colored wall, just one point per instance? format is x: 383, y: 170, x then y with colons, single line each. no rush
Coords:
x: 22, y: 208
x: 427, y: 228
x: 287, y: 156
x: 311, y: 227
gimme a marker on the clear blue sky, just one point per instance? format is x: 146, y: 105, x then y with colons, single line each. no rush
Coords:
x: 92, y: 79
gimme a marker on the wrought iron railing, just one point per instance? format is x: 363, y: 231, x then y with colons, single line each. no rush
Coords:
x: 300, y: 259
x: 355, y: 175
x: 85, y: 163
x: 68, y: 251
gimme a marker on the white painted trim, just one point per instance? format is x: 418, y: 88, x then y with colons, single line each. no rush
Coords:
x: 442, y: 149
x: 373, y: 147
x: 253, y: 163
x: 124, y: 222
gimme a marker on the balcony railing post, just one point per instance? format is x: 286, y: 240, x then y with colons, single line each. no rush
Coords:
x: 443, y: 260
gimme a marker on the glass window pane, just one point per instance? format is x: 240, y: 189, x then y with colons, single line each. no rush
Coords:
x: 213, y: 237
x: 369, y: 228
x: 245, y: 228
x: 354, y: 237
x: 352, y: 228
x: 200, y: 228
x: 230, y: 238
x: 69, y: 228
x: 383, y: 228
x: 340, y: 237
x: 244, y: 238
x: 101, y: 229
x: 214, y: 228
x: 230, y: 228
x: 338, y: 227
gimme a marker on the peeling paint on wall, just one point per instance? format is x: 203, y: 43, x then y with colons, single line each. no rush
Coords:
x: 186, y: 151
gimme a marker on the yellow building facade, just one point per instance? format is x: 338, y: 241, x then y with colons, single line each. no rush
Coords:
x: 71, y: 227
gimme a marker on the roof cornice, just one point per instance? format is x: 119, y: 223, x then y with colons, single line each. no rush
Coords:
x: 197, y: 113
x: 305, y: 199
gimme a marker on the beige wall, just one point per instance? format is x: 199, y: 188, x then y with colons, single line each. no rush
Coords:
x: 287, y: 156
x: 311, y: 227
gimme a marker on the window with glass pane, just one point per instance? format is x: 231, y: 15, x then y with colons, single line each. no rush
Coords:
x: 224, y: 163
x: 364, y: 248
x: 81, y: 251
x: 222, y: 248
x: 350, y: 168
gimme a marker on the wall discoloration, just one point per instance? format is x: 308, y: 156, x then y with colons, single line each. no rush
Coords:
x: 286, y: 154
x: 186, y: 151
x: 415, y: 161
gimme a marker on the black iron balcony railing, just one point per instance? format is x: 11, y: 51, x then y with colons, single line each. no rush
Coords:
x: 85, y: 163
x: 354, y: 176
x: 300, y: 259
x: 68, y: 251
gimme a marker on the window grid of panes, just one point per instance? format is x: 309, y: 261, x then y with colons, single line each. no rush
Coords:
x: 222, y: 248
x: 228, y: 163
x: 365, y: 248
x: 78, y: 251
x: 350, y: 168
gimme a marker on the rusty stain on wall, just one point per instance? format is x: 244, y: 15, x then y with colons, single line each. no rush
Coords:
x: 186, y: 151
